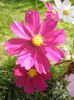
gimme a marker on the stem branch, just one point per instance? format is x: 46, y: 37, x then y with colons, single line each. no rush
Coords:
x: 63, y: 62
x: 36, y: 5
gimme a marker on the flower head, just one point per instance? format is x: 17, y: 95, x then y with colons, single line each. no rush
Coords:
x: 51, y: 11
x: 31, y: 79
x: 37, y: 42
x: 65, y: 11
x: 64, y: 50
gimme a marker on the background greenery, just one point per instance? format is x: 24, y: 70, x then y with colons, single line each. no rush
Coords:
x: 15, y: 10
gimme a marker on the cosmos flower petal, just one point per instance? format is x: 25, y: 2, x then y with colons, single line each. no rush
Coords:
x: 29, y: 20
x: 48, y: 6
x: 57, y: 2
x: 19, y: 71
x: 20, y: 81
x: 53, y: 55
x: 71, y: 11
x: 57, y: 17
x: 37, y: 22
x: 26, y: 57
x: 66, y: 4
x: 48, y: 25
x: 15, y: 46
x: 55, y: 38
x: 71, y: 77
x: 39, y: 83
x: 46, y: 76
x: 70, y: 88
x: 32, y: 20
x: 42, y: 63
x: 47, y: 13
x: 68, y: 19
x: 29, y: 88
x: 20, y: 30
x: 61, y: 15
x: 57, y: 9
x: 56, y: 52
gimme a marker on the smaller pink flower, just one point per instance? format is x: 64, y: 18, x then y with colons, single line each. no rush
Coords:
x: 51, y: 12
x: 31, y: 79
x: 70, y: 87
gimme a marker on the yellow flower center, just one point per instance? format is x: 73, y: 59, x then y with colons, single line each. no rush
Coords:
x: 37, y: 40
x: 32, y: 73
x: 53, y: 11
x: 65, y: 12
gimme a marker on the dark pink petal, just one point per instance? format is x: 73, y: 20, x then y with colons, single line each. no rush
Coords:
x: 48, y: 25
x: 70, y: 88
x: 39, y: 83
x: 32, y: 20
x: 49, y: 6
x: 37, y: 22
x: 20, y: 30
x: 19, y: 71
x: 57, y: 17
x: 55, y: 38
x: 15, y: 46
x: 26, y: 57
x: 53, y: 53
x: 21, y: 81
x: 46, y: 76
x: 29, y: 88
x: 42, y: 64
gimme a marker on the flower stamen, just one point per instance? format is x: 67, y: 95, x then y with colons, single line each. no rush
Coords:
x: 53, y: 11
x: 65, y: 12
x: 32, y: 73
x: 37, y: 40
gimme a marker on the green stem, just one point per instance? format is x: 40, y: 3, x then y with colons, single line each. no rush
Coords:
x: 36, y: 5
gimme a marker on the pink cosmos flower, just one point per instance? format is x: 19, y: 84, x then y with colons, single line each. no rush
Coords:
x: 37, y: 42
x: 51, y: 12
x: 30, y: 79
x: 70, y: 87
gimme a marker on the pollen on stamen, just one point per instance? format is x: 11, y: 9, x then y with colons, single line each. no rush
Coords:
x: 32, y: 73
x: 53, y: 11
x: 37, y: 40
x: 65, y: 12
